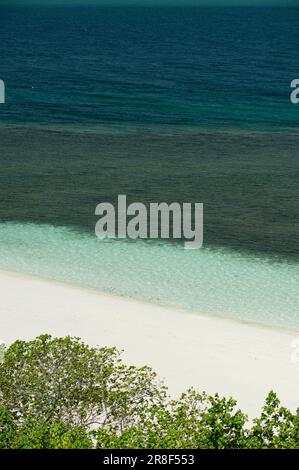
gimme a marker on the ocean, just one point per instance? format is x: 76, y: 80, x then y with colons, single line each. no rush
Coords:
x: 160, y: 104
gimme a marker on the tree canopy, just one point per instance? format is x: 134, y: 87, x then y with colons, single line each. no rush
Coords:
x: 61, y: 393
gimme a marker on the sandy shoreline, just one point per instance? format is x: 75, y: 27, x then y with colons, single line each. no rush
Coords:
x: 211, y: 354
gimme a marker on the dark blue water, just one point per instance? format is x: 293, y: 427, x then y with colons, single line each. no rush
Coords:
x: 161, y: 104
x: 207, y: 67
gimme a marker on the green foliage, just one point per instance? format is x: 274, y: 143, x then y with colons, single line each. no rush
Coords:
x: 56, y: 435
x: 194, y: 421
x: 7, y: 427
x: 2, y: 351
x: 62, y: 379
x: 276, y: 428
x: 58, y: 393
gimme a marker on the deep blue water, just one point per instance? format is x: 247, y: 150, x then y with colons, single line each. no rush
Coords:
x: 160, y: 104
x: 208, y: 67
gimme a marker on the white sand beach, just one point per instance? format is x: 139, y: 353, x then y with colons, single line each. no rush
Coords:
x: 235, y: 359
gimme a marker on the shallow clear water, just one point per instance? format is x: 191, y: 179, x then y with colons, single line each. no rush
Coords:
x: 210, y: 281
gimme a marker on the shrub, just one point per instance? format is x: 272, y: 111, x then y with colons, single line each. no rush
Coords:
x: 59, y: 393
x: 63, y: 379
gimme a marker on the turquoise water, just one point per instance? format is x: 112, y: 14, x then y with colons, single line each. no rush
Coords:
x: 160, y: 104
x: 210, y: 281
